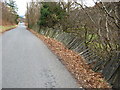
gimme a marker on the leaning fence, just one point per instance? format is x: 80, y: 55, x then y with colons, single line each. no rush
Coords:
x: 110, y: 68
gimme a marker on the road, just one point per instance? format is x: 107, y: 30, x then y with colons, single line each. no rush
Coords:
x: 28, y: 63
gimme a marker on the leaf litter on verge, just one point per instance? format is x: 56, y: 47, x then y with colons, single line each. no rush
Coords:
x: 75, y: 64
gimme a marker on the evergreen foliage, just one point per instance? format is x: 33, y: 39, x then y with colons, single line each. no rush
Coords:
x: 51, y: 14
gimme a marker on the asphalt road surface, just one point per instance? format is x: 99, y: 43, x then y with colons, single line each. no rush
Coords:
x: 28, y: 63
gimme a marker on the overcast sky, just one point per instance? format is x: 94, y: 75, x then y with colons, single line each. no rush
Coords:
x: 21, y: 4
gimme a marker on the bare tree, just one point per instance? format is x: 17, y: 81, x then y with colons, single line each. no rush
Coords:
x: 9, y: 16
x: 33, y: 13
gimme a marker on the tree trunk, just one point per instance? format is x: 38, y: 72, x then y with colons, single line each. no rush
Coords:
x: 27, y: 15
x: 118, y: 14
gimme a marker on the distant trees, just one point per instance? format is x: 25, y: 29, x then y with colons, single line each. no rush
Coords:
x: 9, y: 12
x: 49, y: 13
x: 33, y: 13
x: 12, y: 5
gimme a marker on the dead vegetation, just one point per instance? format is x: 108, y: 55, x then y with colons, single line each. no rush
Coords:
x: 8, y: 15
x: 75, y: 64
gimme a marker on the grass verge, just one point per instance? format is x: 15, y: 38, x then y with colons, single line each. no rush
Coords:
x: 6, y: 28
